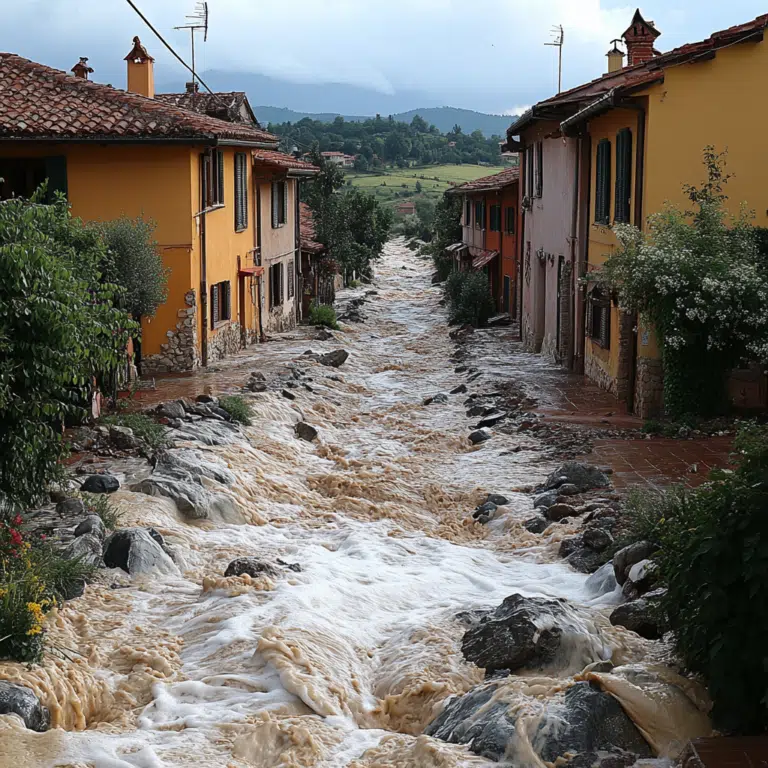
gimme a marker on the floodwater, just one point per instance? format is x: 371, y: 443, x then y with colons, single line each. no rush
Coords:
x: 345, y: 661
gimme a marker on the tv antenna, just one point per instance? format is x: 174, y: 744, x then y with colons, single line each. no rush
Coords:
x: 196, y: 21
x: 559, y: 34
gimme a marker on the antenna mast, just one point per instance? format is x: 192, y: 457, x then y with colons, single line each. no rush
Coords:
x: 196, y: 21
x: 559, y: 34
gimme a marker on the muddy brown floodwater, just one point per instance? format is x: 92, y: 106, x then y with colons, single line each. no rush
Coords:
x: 345, y: 662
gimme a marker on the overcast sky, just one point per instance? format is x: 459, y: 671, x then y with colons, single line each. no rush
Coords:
x: 487, y: 55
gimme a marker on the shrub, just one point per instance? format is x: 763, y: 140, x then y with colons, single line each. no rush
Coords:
x: 714, y: 563
x: 468, y: 295
x: 238, y: 408
x: 146, y: 429
x: 134, y: 263
x: 99, y: 504
x: 323, y: 315
x: 59, y: 330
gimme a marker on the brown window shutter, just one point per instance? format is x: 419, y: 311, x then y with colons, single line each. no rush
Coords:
x: 539, y: 168
x: 623, y: 174
x: 244, y: 182
x: 214, y: 305
x: 282, y: 281
x: 285, y: 203
x: 275, y: 202
x: 220, y: 171
x: 227, y: 301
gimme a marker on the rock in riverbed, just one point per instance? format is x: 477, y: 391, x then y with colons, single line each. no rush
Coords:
x: 22, y: 701
x: 91, y: 525
x: 100, y: 484
x: 334, y: 359
x: 625, y: 558
x: 642, y: 616
x: 136, y: 551
x: 479, y: 436
x: 305, y: 431
x: 251, y: 566
x: 583, y: 477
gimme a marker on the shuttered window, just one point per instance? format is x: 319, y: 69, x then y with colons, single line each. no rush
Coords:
x: 495, y: 218
x: 241, y: 191
x: 291, y: 276
x: 603, y: 183
x: 509, y: 224
x: 468, y: 213
x: 479, y: 214
x: 221, y: 303
x: 623, y: 175
x: 529, y: 171
x: 279, y: 203
x: 599, y: 319
x: 539, y: 168
x: 275, y: 285
x: 212, y: 179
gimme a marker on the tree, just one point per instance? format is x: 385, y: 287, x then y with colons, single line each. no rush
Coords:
x: 59, y: 328
x: 419, y: 124
x: 134, y: 263
x: 700, y: 281
x: 418, y: 187
x: 396, y: 147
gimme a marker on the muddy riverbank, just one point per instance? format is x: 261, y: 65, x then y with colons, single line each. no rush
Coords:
x: 345, y: 659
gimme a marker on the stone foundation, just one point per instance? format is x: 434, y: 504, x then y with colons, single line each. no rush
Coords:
x: 649, y: 387
x: 181, y: 352
x: 277, y: 320
x: 226, y: 340
x: 549, y: 347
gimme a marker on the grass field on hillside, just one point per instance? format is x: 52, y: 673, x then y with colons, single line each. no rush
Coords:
x: 399, y: 184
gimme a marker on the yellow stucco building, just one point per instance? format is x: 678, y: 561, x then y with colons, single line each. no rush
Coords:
x: 223, y: 199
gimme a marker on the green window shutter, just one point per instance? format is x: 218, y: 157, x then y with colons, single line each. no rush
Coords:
x: 603, y: 183
x: 244, y: 182
x: 227, y: 314
x: 56, y: 173
x: 284, y: 217
x: 623, y: 174
x: 214, y: 305
x: 275, y: 201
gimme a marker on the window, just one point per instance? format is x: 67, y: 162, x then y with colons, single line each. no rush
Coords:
x: 599, y: 319
x: 495, y: 218
x: 241, y: 191
x: 221, y: 303
x: 623, y: 174
x: 468, y: 213
x: 539, y: 168
x: 212, y: 178
x: 275, y: 285
x: 279, y: 204
x: 291, y: 275
x: 20, y: 177
x: 479, y: 214
x: 603, y: 183
x: 529, y: 172
x: 509, y: 224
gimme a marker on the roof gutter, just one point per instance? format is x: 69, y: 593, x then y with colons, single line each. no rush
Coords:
x: 210, y: 141
x: 603, y: 104
x: 306, y: 172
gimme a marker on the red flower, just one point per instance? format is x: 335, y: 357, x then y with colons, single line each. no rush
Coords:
x: 43, y: 537
x: 15, y: 537
x: 17, y: 520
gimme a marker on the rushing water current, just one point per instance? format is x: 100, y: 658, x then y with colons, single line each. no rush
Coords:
x: 344, y: 662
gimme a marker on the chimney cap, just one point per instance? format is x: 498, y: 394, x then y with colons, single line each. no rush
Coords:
x: 640, y: 27
x: 81, y: 69
x: 193, y: 87
x: 615, y: 48
x: 138, y: 53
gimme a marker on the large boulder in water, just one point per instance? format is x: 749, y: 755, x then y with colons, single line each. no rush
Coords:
x: 136, y: 551
x: 642, y: 616
x: 100, y: 484
x: 250, y: 566
x: 334, y: 359
x: 22, y: 701
x: 625, y: 558
x: 584, y: 477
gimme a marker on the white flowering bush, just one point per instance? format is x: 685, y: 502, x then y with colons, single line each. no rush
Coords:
x: 699, y: 278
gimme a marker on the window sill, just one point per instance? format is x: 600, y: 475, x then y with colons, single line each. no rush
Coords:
x: 238, y: 230
x: 598, y: 343
x: 278, y: 226
x: 221, y: 324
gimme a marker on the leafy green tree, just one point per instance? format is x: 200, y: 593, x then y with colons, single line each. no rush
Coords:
x: 418, y: 188
x: 59, y: 328
x: 134, y: 263
x: 419, y: 124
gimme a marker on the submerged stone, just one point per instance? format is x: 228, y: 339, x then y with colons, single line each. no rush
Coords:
x: 251, y: 566
x: 22, y: 701
x: 100, y: 484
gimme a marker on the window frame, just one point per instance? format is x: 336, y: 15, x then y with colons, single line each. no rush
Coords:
x: 510, y: 222
x: 599, y: 319
x: 290, y: 275
x: 241, y: 191
x: 468, y: 213
x: 279, y: 203
x: 212, y: 179
x: 603, y: 158
x: 495, y: 223
x: 221, y: 303
x: 479, y: 214
x: 276, y: 282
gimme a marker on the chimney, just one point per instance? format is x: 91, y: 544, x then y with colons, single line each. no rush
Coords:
x: 193, y: 87
x: 81, y: 69
x: 141, y: 70
x: 615, y: 58
x: 639, y: 39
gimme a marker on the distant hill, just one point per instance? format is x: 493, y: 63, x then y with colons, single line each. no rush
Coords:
x: 443, y: 118
x: 324, y: 101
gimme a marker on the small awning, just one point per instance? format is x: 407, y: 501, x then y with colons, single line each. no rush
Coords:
x: 455, y: 247
x: 481, y: 257
x: 251, y: 271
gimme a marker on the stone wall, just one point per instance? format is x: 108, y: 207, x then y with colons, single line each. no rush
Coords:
x: 225, y: 341
x: 277, y: 319
x: 649, y: 387
x: 181, y: 352
x: 598, y: 370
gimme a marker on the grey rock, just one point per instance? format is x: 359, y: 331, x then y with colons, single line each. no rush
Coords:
x: 570, y: 545
x: 288, y: 395
x: 189, y: 464
x: 568, y: 489
x: 100, y: 484
x: 588, y: 720
x: 546, y: 499
x: 479, y: 436
x: 173, y: 410
x: 207, y: 399
x: 642, y: 616
x: 86, y: 548
x: 324, y: 335
x: 584, y: 476
x: 536, y: 524
x: 193, y: 500
x: 475, y: 410
x: 597, y: 539
x: 295, y: 567
x: 598, y: 667
x: 492, y: 419
x: 485, y: 512
x: 334, y: 359
x: 93, y: 525
x: 602, y: 581
x: 70, y: 508
x: 209, y: 432
x: 585, y: 560
x: 625, y: 558
x: 251, y: 566
x: 22, y: 701
x: 643, y: 575
x: 441, y: 398
x: 559, y: 511
x: 255, y: 385
x: 460, y: 390
x: 305, y: 431
x: 497, y: 499
x: 510, y: 638
x: 123, y: 438
x: 135, y: 551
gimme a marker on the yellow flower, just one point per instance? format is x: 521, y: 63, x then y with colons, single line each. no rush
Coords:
x: 3, y: 592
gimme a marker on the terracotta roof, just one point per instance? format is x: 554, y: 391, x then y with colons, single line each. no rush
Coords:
x: 489, y: 183
x: 281, y: 160
x: 307, y: 230
x: 225, y: 105
x: 38, y: 102
x: 642, y: 74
